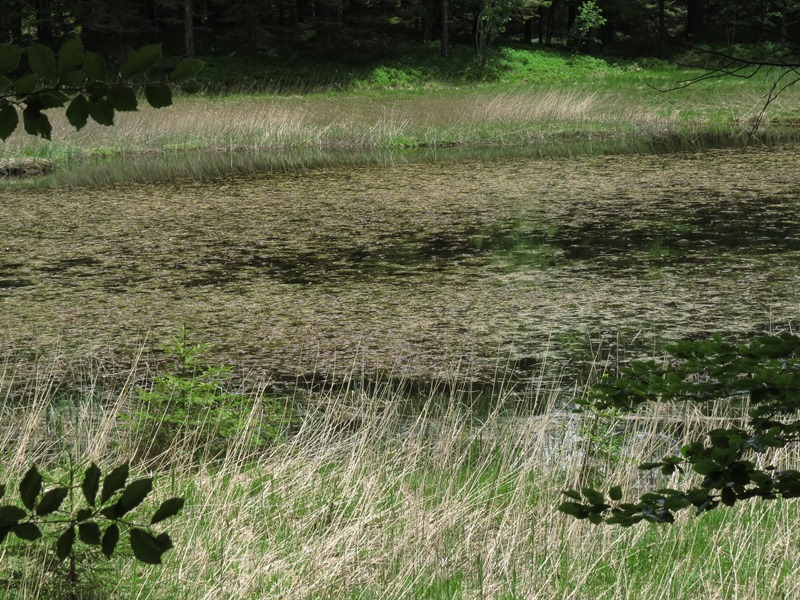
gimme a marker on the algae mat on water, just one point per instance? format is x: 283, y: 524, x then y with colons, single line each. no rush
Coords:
x: 408, y: 268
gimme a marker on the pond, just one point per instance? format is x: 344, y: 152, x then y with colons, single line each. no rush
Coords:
x: 410, y: 269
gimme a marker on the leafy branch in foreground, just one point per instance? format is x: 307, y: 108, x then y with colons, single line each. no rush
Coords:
x: 80, y: 81
x: 726, y: 461
x: 90, y: 513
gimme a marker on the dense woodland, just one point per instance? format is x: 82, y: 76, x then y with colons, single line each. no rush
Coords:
x: 355, y: 30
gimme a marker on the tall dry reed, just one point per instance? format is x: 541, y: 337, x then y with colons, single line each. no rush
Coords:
x: 368, y: 501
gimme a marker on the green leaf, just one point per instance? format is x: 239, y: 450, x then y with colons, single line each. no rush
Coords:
x: 135, y: 493
x: 103, y: 113
x: 42, y: 61
x: 91, y: 478
x: 9, y: 58
x: 170, y: 508
x: 141, y: 60
x: 95, y: 66
x: 26, y: 84
x: 36, y: 123
x: 27, y: 531
x: 145, y: 547
x: 70, y: 55
x: 574, y: 509
x: 677, y: 503
x: 52, y: 99
x: 158, y: 95
x: 705, y: 466
x: 2, y: 490
x: 30, y: 487
x: 114, y: 481
x: 51, y: 501
x: 728, y: 496
x: 9, y: 119
x: 595, y: 518
x: 592, y: 496
x: 11, y: 515
x: 615, y: 493
x: 191, y: 86
x: 5, y: 83
x: 83, y: 514
x: 33, y: 102
x: 164, y: 542
x: 65, y: 543
x: 123, y: 98
x: 186, y: 69
x: 110, y: 539
x: 89, y: 533
x: 113, y: 512
x: 96, y: 91
x: 78, y: 115
x: 73, y: 79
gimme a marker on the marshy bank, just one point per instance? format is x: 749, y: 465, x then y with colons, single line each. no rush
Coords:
x: 545, y: 105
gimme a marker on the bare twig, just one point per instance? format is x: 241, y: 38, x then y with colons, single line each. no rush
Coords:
x: 744, y: 68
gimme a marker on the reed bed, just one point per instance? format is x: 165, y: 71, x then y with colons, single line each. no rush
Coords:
x: 208, y: 135
x: 367, y: 501
x: 347, y: 120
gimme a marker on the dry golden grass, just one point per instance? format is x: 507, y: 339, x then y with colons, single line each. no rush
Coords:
x: 346, y: 120
x: 436, y: 505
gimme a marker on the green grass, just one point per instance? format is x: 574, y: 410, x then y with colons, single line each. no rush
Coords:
x: 548, y: 102
x: 420, y: 68
x: 438, y: 504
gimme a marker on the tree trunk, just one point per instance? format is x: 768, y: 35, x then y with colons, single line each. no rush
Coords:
x: 44, y: 22
x: 445, y: 41
x: 551, y: 22
x: 662, y: 26
x: 10, y: 21
x: 384, y: 27
x: 541, y: 24
x: 527, y: 32
x: 188, y: 28
x: 572, y: 13
x: 253, y: 28
x: 325, y: 24
x: 694, y: 17
x: 427, y: 20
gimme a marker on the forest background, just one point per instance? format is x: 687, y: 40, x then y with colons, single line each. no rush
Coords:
x: 358, y: 31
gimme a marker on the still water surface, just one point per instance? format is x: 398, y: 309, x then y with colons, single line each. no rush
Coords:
x: 410, y: 268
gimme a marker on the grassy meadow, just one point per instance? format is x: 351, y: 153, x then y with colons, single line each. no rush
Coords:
x: 552, y: 102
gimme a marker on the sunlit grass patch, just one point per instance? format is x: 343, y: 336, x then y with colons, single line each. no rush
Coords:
x: 440, y: 503
x: 590, y: 106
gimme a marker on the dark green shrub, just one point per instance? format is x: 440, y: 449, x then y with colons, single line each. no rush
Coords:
x: 192, y: 403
